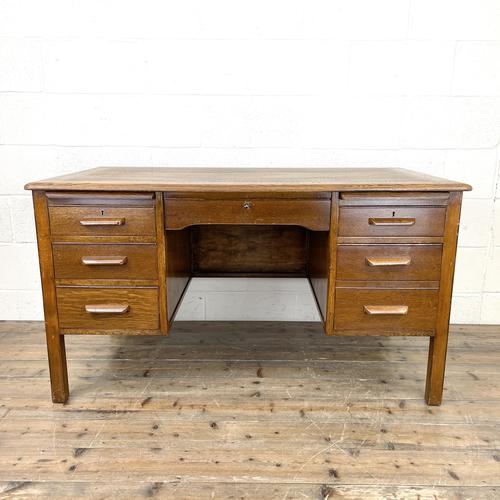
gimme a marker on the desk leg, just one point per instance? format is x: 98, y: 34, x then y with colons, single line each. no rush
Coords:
x: 55, y: 341
x: 439, y: 343
x: 435, y: 370
x: 57, y: 366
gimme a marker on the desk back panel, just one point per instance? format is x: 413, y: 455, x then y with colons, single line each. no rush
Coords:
x: 249, y: 250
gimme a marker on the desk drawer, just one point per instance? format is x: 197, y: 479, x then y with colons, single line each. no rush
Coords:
x: 385, y: 310
x: 108, y: 308
x: 391, y: 221
x: 101, y: 221
x: 313, y: 214
x: 87, y: 261
x: 389, y: 262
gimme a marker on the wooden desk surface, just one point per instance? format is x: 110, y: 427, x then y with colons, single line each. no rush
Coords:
x: 247, y: 179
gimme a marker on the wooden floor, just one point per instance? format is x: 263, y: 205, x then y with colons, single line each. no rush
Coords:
x: 249, y: 410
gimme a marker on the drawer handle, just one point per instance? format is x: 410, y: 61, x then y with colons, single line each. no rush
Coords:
x: 107, y: 308
x: 103, y: 221
x: 391, y: 221
x: 247, y: 205
x: 386, y: 310
x: 388, y: 261
x: 104, y: 261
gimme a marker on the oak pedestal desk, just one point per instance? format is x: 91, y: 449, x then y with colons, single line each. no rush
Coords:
x: 118, y: 246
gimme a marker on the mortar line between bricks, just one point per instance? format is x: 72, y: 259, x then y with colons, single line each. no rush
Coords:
x: 238, y: 148
x: 228, y: 95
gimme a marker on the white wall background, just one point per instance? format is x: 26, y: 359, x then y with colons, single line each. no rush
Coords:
x: 404, y: 83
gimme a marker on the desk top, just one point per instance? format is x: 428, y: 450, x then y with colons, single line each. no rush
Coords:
x: 247, y: 179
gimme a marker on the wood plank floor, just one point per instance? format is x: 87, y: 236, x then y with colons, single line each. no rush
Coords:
x: 249, y: 410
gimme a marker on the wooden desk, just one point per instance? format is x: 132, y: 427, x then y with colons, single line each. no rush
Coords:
x: 118, y: 247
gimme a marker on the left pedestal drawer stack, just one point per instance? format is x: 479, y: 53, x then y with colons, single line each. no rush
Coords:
x: 107, y: 262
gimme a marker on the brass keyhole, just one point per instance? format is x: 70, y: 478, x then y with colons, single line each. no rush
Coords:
x: 247, y: 205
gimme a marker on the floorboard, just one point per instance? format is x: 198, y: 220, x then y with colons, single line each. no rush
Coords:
x: 249, y: 410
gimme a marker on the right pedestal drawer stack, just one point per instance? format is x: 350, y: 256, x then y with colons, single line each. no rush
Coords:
x: 389, y: 263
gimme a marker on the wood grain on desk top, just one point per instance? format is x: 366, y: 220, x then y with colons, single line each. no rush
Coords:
x: 247, y: 179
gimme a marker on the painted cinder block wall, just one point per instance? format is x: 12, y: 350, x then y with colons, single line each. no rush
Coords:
x: 353, y: 83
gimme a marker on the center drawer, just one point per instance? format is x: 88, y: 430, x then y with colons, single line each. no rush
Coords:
x: 389, y: 262
x: 313, y: 214
x: 108, y: 308
x: 105, y: 261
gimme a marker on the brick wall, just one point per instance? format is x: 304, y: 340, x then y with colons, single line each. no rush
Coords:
x: 354, y: 83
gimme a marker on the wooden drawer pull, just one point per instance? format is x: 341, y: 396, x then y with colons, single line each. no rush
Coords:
x: 104, y: 261
x: 386, y: 310
x: 391, y: 221
x: 388, y: 261
x: 107, y: 308
x: 103, y: 221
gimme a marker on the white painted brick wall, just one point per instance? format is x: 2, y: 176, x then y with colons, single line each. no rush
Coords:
x: 354, y: 83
